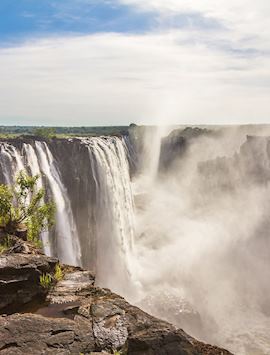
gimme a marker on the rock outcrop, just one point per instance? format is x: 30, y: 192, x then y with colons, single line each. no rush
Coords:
x: 19, y: 279
x: 175, y: 145
x: 79, y: 318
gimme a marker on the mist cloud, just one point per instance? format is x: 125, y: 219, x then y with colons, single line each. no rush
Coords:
x: 202, y: 236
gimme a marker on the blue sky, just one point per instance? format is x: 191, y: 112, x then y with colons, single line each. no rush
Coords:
x: 21, y: 19
x: 97, y: 62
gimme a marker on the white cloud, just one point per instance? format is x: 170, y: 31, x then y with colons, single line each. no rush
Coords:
x: 245, y: 21
x: 235, y: 13
x: 184, y: 76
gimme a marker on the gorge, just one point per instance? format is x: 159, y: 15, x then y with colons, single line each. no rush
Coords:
x: 177, y: 222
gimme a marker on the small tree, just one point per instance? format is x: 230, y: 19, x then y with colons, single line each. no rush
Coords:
x: 22, y: 206
x: 45, y: 132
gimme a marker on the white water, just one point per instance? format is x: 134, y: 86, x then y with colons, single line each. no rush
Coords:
x: 33, y: 164
x: 5, y: 163
x: 68, y: 247
x: 115, y: 212
x: 11, y: 162
x: 39, y: 161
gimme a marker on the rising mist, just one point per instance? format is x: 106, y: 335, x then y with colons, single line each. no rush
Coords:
x: 202, y: 236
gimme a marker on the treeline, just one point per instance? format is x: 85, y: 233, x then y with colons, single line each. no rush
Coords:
x: 69, y: 131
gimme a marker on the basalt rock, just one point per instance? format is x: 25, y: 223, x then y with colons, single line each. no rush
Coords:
x: 78, y: 317
x: 20, y: 279
x: 176, y: 144
x: 103, y: 321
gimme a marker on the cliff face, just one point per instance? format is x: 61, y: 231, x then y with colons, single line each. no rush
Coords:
x: 71, y: 160
x: 77, y: 317
x: 78, y: 174
x: 176, y: 144
x: 249, y: 166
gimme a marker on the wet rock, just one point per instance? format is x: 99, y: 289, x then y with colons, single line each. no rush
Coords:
x: 176, y: 144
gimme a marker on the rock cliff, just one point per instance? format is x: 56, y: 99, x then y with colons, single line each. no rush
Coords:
x: 75, y: 317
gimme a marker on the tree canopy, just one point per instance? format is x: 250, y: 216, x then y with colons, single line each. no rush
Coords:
x: 23, y: 205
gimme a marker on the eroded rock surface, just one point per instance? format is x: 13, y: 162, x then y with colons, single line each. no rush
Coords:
x: 81, y: 318
x: 19, y: 279
x: 74, y: 287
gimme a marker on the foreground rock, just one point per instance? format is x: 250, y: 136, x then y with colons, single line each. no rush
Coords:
x: 19, y: 279
x: 81, y: 318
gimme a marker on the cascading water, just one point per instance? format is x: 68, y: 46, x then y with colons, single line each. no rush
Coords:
x: 6, y: 163
x: 11, y: 162
x: 112, y: 206
x: 68, y: 247
x: 114, y: 211
x: 33, y: 165
x: 39, y: 160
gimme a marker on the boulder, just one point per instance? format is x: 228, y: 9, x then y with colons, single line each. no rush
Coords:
x: 20, y: 279
x: 35, y: 334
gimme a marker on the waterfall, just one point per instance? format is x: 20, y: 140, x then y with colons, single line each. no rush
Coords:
x: 93, y: 183
x: 11, y: 162
x: 39, y: 161
x: 5, y: 163
x: 114, y: 211
x: 68, y: 248
x: 33, y: 164
x: 201, y: 228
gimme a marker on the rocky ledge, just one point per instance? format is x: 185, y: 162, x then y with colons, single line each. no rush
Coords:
x: 75, y: 317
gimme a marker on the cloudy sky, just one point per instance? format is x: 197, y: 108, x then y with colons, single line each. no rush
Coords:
x: 112, y: 62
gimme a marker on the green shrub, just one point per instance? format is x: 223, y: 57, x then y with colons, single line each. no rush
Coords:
x: 44, y: 132
x: 22, y: 205
x: 45, y: 281
x: 58, y: 273
x: 5, y: 244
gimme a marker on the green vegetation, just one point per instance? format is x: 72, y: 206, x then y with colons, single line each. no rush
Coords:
x: 9, y: 132
x: 58, y: 273
x: 22, y: 207
x: 5, y: 244
x: 45, y: 281
x: 44, y: 132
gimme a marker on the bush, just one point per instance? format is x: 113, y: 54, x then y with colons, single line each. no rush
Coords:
x: 22, y: 206
x: 58, y: 273
x: 5, y: 244
x: 44, y: 132
x: 45, y: 281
